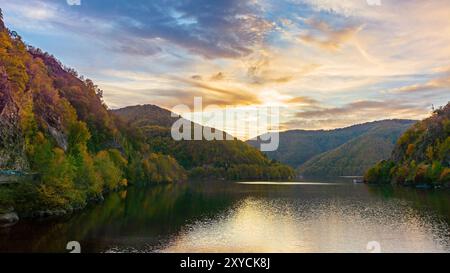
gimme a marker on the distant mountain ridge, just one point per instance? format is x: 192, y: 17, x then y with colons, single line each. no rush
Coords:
x: 344, y: 151
x: 146, y: 115
x: 357, y: 155
x: 231, y: 159
x: 149, y: 115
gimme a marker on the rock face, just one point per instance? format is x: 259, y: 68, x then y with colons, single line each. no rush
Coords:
x: 12, y: 154
x: 59, y: 137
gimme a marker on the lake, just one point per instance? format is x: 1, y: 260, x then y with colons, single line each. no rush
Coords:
x: 247, y: 217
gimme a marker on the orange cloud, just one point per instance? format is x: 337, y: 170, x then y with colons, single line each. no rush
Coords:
x: 329, y: 38
x: 302, y: 100
x: 221, y: 95
x: 434, y: 84
x: 217, y: 77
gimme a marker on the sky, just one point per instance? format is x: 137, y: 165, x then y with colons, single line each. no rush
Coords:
x: 327, y: 64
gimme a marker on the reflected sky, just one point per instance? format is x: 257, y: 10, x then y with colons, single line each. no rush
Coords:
x: 257, y: 217
x: 288, y: 183
x: 329, y: 225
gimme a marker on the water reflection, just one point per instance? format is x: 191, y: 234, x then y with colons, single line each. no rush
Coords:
x: 333, y: 225
x: 250, y: 217
x: 291, y: 183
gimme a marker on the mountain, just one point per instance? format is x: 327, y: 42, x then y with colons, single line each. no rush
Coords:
x: 152, y: 116
x: 65, y: 148
x: 231, y: 159
x: 357, y: 155
x: 146, y: 115
x: 59, y: 138
x: 344, y: 151
x: 421, y: 155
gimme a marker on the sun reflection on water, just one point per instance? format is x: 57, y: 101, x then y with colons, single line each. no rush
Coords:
x: 281, y: 225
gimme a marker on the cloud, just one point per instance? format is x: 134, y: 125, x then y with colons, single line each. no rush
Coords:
x: 218, y: 77
x: 137, y: 47
x: 302, y: 100
x: 220, y: 95
x: 442, y: 82
x: 286, y: 22
x: 40, y: 11
x: 333, y: 62
x: 329, y: 38
x: 226, y: 29
x: 266, y: 68
x: 355, y: 108
x: 165, y: 97
x: 355, y: 113
x: 267, y: 79
x: 172, y: 90
x: 345, y: 8
x: 73, y: 2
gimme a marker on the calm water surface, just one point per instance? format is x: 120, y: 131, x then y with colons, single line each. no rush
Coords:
x: 247, y: 217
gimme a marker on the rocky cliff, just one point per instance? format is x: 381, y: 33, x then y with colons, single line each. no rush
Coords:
x: 12, y: 153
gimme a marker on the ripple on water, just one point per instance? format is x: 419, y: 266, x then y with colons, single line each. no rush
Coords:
x: 323, y: 225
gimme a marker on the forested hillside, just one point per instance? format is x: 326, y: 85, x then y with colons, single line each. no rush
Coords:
x: 57, y: 133
x: 146, y: 115
x: 421, y: 156
x: 345, y: 151
x: 356, y: 156
x: 230, y: 159
x: 68, y: 149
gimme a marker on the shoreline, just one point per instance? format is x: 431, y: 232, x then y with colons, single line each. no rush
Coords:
x: 9, y: 216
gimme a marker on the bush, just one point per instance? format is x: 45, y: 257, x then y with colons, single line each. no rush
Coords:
x: 110, y: 174
x: 444, y: 178
x: 421, y: 174
x: 6, y: 199
x: 382, y: 173
x: 159, y: 168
